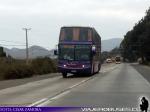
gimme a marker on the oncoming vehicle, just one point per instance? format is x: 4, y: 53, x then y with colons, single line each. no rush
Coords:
x: 79, y: 51
x: 108, y: 60
x: 118, y: 59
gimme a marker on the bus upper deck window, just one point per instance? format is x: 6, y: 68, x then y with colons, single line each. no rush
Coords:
x: 62, y: 35
x: 68, y: 34
x: 76, y: 34
x: 83, y: 34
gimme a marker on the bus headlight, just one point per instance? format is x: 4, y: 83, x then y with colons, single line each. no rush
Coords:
x: 83, y: 66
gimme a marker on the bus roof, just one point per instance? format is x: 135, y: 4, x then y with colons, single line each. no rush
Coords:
x: 82, y: 27
x: 77, y: 27
x: 88, y: 27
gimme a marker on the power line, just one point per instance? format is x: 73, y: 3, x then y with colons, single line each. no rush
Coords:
x: 10, y: 45
x: 17, y: 43
x: 12, y: 41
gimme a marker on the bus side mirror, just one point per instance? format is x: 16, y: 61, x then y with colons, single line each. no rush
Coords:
x: 93, y: 50
x: 55, y: 52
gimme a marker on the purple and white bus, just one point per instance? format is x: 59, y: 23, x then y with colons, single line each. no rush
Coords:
x: 79, y: 51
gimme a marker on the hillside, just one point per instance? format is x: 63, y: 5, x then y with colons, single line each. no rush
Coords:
x: 34, y: 51
x: 37, y: 51
x: 109, y: 44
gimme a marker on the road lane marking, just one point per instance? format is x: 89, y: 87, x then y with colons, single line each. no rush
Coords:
x: 78, y: 83
x: 57, y: 95
x: 64, y: 92
x: 44, y: 103
x: 60, y: 95
x: 110, y: 68
x: 140, y: 75
x: 38, y: 102
x: 54, y: 98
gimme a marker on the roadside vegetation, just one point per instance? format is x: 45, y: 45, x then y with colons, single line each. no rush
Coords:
x: 136, y: 43
x: 16, y: 69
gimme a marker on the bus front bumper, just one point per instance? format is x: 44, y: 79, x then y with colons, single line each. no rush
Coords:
x: 74, y: 70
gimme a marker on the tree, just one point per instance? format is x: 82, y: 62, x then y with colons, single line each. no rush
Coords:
x: 136, y: 42
x: 2, y: 53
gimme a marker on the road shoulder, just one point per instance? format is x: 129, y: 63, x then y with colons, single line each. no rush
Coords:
x: 17, y: 82
x: 143, y: 70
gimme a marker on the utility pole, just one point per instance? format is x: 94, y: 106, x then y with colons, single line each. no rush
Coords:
x: 27, y: 51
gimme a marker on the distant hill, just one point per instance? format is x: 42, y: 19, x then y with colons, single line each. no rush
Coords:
x: 37, y: 51
x: 108, y: 45
x: 34, y: 52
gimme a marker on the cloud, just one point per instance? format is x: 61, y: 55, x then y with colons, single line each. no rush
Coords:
x: 111, y: 18
x: 70, y: 6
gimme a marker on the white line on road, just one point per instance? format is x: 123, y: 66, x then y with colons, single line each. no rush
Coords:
x: 44, y: 101
x: 62, y: 93
x: 110, y: 68
x: 78, y: 83
x: 38, y: 102
x: 54, y: 98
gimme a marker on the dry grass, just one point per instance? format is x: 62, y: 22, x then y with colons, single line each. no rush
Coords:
x: 16, y: 69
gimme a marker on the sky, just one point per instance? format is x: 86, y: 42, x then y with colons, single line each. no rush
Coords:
x: 111, y: 19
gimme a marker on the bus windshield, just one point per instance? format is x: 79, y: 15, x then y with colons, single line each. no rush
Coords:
x: 82, y: 52
x: 74, y: 52
x: 66, y: 52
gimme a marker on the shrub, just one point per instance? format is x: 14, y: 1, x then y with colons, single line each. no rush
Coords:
x: 43, y: 66
x: 17, y: 71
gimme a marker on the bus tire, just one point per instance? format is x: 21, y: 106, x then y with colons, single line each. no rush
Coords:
x: 64, y: 75
x: 99, y: 67
x: 92, y: 70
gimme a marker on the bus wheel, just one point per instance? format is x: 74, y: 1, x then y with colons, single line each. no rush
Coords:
x: 99, y: 67
x: 92, y: 71
x: 64, y: 75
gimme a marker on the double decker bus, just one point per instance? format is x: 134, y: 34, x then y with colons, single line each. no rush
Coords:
x: 79, y: 51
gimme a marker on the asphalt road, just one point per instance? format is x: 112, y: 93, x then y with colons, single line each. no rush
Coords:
x: 119, y: 88
x: 116, y: 86
x: 29, y: 91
